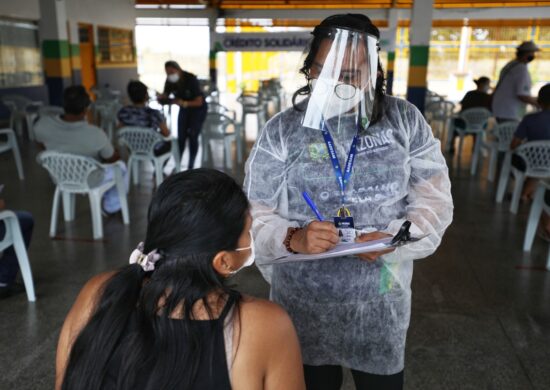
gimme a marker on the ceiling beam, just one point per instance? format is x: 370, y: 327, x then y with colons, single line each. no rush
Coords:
x: 373, y: 13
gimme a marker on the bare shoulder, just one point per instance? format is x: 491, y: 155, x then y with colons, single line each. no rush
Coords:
x: 264, y: 317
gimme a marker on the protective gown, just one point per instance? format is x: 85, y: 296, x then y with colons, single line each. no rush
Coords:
x: 348, y: 311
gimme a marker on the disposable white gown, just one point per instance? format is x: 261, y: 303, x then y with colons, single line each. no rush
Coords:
x: 348, y: 311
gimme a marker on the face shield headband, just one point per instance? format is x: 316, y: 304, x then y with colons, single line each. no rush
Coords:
x: 343, y: 78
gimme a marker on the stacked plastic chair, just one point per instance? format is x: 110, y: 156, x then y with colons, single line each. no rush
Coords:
x: 79, y: 175
x: 216, y: 128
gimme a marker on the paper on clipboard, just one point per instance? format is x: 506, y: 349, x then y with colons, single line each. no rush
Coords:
x: 346, y: 249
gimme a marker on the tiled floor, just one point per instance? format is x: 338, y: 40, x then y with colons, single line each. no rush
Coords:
x: 478, y: 321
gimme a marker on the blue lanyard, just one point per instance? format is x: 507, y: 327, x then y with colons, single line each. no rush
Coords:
x: 341, y: 177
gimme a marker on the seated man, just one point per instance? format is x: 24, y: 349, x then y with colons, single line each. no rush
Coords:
x: 138, y: 114
x: 71, y: 133
x: 478, y: 97
x: 534, y: 127
x: 9, y: 265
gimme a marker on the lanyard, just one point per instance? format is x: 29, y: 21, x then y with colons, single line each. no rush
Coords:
x: 341, y: 177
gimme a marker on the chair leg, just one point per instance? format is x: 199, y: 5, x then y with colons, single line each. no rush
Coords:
x: 121, y: 190
x: 460, y: 145
x: 95, y: 208
x: 476, y: 156
x: 504, y: 177
x: 533, y: 220
x: 176, y: 154
x: 30, y: 128
x: 493, y: 164
x: 227, y: 153
x: 68, y: 206
x: 518, y: 187
x: 135, y: 170
x: 55, y: 209
x: 22, y: 258
x: 450, y: 137
x: 159, y: 175
x: 12, y: 140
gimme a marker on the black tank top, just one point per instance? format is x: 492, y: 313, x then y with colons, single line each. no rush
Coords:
x: 213, y: 372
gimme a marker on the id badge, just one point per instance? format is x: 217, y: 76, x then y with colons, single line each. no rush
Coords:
x: 346, y: 229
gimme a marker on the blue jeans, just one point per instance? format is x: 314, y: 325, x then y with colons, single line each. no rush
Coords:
x: 8, y: 262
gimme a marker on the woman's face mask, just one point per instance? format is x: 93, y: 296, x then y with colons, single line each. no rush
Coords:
x: 173, y: 78
x: 340, y: 98
x: 250, y: 260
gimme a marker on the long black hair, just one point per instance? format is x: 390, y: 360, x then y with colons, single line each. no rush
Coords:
x: 358, y: 22
x: 193, y: 216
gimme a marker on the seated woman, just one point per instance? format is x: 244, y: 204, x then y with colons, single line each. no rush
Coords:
x: 139, y: 114
x: 168, y: 320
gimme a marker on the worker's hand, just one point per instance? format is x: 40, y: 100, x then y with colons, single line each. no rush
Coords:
x: 372, y: 256
x: 317, y: 237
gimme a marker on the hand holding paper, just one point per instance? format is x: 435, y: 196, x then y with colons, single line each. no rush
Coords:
x: 372, y: 256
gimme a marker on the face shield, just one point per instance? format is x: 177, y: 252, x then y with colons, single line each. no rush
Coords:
x: 343, y: 78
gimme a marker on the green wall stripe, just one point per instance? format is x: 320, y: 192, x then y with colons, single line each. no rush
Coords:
x: 75, y: 49
x: 419, y: 55
x: 391, y: 56
x: 55, y: 49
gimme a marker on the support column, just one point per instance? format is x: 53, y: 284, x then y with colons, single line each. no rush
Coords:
x: 392, y: 33
x: 55, y: 48
x: 419, y: 36
x: 213, y: 71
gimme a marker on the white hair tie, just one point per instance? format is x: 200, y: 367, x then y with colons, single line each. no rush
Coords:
x: 146, y: 261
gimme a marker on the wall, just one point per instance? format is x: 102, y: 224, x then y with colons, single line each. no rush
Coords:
x: 108, y: 13
x: 21, y: 9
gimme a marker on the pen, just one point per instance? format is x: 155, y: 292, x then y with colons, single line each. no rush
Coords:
x: 312, y: 206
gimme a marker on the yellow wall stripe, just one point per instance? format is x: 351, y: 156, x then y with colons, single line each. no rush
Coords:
x: 417, y: 76
x: 57, y: 67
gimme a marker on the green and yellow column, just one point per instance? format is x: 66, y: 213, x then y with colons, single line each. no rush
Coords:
x: 214, y: 48
x: 392, y: 33
x: 56, y: 51
x: 421, y: 27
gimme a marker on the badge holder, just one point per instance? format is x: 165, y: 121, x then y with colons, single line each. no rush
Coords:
x: 344, y: 223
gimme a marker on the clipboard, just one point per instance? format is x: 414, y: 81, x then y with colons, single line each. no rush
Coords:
x: 402, y: 238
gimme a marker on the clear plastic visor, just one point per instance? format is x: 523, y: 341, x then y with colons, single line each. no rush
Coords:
x: 343, y: 77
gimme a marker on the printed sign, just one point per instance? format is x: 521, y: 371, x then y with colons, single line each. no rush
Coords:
x: 284, y: 41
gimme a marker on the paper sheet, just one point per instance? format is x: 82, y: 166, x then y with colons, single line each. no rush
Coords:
x: 345, y: 249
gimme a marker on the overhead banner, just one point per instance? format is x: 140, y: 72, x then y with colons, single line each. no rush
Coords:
x: 283, y: 41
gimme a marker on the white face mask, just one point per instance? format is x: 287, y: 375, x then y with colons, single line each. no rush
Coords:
x: 334, y: 104
x: 173, y: 78
x: 250, y: 260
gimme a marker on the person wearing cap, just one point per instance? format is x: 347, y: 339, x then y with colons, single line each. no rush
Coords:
x: 513, y: 90
x: 478, y: 97
x: 369, y: 162
x: 184, y: 86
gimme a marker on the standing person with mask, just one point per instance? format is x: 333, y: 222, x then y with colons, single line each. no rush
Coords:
x: 361, y: 155
x: 168, y: 320
x: 513, y: 90
x: 193, y: 108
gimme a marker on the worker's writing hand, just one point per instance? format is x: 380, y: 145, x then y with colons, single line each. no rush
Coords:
x: 317, y: 237
x: 372, y: 256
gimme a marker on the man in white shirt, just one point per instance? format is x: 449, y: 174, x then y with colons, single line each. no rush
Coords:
x: 513, y: 90
x: 71, y: 133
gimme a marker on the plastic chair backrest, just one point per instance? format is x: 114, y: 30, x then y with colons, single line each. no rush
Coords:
x: 139, y: 140
x: 217, y: 108
x: 536, y: 155
x: 69, y: 171
x: 19, y: 102
x: 476, y: 118
x: 504, y: 132
x: 249, y: 100
x: 215, y: 125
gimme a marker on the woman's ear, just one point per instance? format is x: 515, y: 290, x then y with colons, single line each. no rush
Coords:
x: 223, y: 263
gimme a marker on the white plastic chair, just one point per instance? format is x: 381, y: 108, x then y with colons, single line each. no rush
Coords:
x: 476, y: 120
x: 439, y: 112
x: 19, y: 113
x: 216, y: 127
x: 503, y: 134
x: 537, y: 208
x: 72, y: 175
x: 14, y: 237
x: 11, y: 144
x: 536, y: 155
x: 251, y: 105
x: 141, y: 143
x: 107, y: 110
